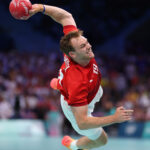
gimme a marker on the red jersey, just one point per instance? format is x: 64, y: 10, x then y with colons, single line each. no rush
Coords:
x: 78, y: 84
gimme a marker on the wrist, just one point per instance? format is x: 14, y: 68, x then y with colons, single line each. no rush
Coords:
x: 41, y: 8
x: 114, y: 118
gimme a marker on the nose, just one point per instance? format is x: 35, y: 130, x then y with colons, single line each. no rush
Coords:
x: 89, y: 46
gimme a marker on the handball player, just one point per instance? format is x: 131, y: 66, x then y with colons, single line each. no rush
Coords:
x: 79, y: 83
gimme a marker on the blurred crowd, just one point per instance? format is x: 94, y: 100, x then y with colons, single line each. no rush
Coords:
x: 25, y: 91
x: 126, y: 82
x: 24, y: 85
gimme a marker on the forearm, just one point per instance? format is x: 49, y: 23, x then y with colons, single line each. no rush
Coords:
x: 57, y: 14
x: 95, y: 122
x: 87, y: 122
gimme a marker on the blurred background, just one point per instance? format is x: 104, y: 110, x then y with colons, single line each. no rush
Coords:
x: 30, y: 112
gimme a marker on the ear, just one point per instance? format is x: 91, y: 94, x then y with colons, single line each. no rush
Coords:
x: 72, y: 54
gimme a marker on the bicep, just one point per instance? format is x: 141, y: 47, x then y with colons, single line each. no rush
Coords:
x: 69, y: 20
x: 80, y: 113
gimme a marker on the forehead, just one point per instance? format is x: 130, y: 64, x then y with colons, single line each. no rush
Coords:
x: 76, y: 42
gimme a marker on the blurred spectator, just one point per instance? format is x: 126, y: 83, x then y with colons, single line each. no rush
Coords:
x: 6, y: 110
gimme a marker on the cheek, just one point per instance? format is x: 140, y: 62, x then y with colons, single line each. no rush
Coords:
x: 84, y: 50
x: 81, y: 51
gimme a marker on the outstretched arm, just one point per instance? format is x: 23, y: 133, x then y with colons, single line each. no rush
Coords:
x: 88, y: 122
x: 57, y: 14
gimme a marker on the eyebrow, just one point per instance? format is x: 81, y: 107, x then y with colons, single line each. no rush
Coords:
x: 83, y: 44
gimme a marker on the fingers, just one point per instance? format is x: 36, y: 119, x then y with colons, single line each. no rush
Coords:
x: 124, y: 114
x: 25, y: 17
x: 32, y: 12
x: 128, y: 112
x: 35, y: 9
x: 127, y: 115
x: 125, y: 110
x: 128, y: 118
x: 121, y: 108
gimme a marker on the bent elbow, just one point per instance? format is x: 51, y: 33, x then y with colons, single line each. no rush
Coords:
x: 82, y: 126
x: 66, y: 19
x: 69, y: 16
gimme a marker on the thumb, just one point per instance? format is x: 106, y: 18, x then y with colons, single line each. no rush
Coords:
x: 32, y: 12
x: 35, y: 9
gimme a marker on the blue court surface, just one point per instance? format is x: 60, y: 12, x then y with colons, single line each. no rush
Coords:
x: 47, y: 143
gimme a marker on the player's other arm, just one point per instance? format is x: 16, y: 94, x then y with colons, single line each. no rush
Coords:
x: 57, y: 14
x: 86, y: 122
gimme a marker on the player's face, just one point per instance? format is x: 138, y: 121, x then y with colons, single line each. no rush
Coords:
x: 83, y: 49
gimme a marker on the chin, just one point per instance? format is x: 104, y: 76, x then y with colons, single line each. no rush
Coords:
x: 92, y: 56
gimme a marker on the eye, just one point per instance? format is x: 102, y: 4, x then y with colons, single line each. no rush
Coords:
x: 82, y: 46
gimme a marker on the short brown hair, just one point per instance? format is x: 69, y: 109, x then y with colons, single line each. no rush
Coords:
x: 65, y: 44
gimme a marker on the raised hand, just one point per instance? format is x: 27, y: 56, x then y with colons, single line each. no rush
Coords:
x: 122, y: 114
x: 35, y: 9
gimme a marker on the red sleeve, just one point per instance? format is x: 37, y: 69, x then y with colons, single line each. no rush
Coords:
x: 77, y: 88
x: 69, y: 28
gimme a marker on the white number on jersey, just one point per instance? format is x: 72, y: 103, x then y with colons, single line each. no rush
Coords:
x: 95, y: 69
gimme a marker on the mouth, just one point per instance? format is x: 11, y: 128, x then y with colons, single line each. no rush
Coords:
x: 89, y: 51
